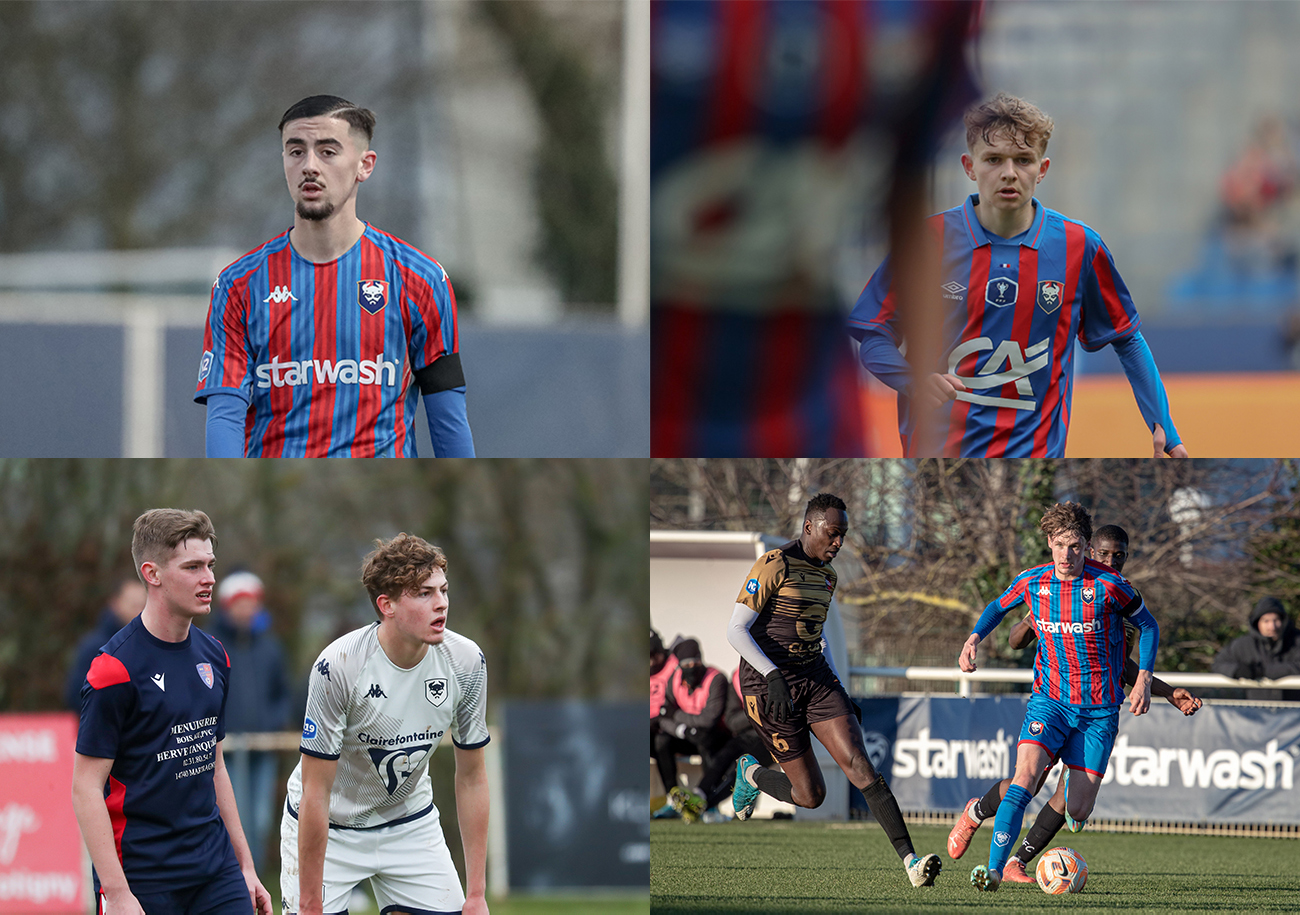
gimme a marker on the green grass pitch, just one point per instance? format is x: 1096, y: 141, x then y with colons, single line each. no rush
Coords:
x: 784, y: 868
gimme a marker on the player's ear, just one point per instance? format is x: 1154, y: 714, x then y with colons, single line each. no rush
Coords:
x: 1042, y: 168
x: 367, y: 164
x: 150, y: 572
x: 969, y: 165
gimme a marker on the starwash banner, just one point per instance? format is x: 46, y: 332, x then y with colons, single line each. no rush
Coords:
x: 1225, y: 764
x: 40, y: 845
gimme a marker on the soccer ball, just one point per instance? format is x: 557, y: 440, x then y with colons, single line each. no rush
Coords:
x: 1062, y: 870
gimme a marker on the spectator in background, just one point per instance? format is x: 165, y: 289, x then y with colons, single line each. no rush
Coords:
x: 124, y: 605
x: 720, y: 775
x: 690, y: 722
x: 662, y: 665
x: 258, y: 700
x: 1269, y: 651
x: 1254, y: 192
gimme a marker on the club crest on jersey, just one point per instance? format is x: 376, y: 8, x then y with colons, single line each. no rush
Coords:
x: 1001, y: 292
x: 1050, y: 294
x: 1088, y: 594
x: 372, y: 295
x: 436, y: 690
x: 205, y: 673
x: 1035, y: 728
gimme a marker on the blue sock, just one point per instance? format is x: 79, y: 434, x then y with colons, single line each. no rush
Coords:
x: 1006, y: 826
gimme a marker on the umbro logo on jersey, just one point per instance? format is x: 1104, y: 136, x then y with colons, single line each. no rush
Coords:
x: 158, y: 681
x: 952, y: 290
x: 1001, y: 292
x: 436, y: 690
x: 372, y: 295
x: 323, y: 668
x: 280, y: 294
x: 1050, y: 295
x: 375, y: 692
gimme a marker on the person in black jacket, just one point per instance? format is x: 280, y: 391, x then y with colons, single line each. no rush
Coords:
x: 123, y: 605
x: 690, y: 722
x: 259, y: 701
x: 1269, y: 651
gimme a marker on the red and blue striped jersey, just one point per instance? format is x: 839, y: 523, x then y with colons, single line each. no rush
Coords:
x: 325, y: 354
x: 1016, y: 308
x: 1080, y: 629
x: 776, y: 124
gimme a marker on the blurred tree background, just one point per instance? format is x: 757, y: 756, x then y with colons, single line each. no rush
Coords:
x: 135, y: 124
x: 932, y: 542
x: 547, y: 562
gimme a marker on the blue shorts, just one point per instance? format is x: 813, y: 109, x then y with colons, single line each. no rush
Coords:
x: 224, y: 894
x: 1081, y: 735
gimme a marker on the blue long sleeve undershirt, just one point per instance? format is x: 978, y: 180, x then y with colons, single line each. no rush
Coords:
x: 882, y: 358
x: 1148, y: 637
x: 1143, y: 376
x: 448, y: 424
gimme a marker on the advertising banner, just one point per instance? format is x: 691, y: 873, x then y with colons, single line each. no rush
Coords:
x: 40, y: 845
x: 1225, y: 764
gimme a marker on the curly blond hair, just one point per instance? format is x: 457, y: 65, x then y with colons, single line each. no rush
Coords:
x: 1023, y: 121
x: 1067, y: 518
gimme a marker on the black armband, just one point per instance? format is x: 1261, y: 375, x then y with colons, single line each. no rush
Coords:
x: 442, y: 375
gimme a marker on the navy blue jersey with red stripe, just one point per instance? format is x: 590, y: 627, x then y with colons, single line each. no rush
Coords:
x: 1016, y: 306
x: 325, y: 354
x: 777, y: 125
x: 1080, y: 630
x: 157, y: 709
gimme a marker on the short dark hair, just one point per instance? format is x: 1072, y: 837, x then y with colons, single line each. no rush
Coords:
x: 361, y: 119
x: 823, y: 502
x: 1111, y: 532
x: 159, y: 531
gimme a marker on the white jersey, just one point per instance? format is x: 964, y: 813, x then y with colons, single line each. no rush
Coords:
x: 382, y: 723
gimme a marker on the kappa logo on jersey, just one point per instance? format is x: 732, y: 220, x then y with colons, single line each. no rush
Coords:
x: 1050, y: 295
x: 953, y: 290
x: 752, y: 586
x: 396, y: 766
x: 205, y: 673
x: 372, y: 295
x: 308, y: 729
x: 280, y: 294
x: 375, y: 692
x: 324, y: 371
x: 1044, y: 590
x: 436, y: 690
x: 1019, y: 366
x: 323, y: 668
x: 205, y: 364
x: 1088, y: 595
x: 1035, y: 728
x: 1001, y: 292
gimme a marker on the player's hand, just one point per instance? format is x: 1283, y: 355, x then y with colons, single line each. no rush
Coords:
x: 257, y: 893
x: 779, y: 705
x: 966, y: 660
x: 937, y: 390
x: 1184, y: 701
x: 123, y: 903
x: 1158, y: 440
x: 475, y: 905
x: 1140, y: 699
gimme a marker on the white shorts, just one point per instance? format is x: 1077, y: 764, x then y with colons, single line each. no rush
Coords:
x: 408, y: 865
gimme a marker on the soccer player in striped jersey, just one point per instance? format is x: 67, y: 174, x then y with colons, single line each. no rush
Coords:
x: 1022, y: 282
x: 776, y: 124
x: 1080, y: 607
x: 1109, y: 546
x: 321, y: 342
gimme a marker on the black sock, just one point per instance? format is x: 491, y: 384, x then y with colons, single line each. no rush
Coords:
x: 883, y: 806
x: 1048, y: 824
x: 774, y: 783
x: 987, y: 806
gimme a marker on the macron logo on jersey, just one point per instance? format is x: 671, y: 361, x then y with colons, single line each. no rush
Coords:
x: 345, y: 371
x: 280, y: 294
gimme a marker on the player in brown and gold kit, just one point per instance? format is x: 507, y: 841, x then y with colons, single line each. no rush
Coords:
x: 790, y: 686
